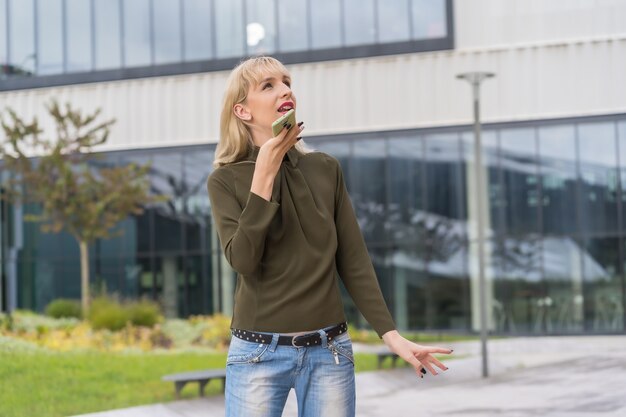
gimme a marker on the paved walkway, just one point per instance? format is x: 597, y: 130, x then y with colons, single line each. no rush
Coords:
x: 546, y: 376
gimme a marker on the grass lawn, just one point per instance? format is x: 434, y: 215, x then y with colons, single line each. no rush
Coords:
x: 50, y: 384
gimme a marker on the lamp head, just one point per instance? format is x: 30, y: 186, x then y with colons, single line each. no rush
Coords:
x: 475, y: 76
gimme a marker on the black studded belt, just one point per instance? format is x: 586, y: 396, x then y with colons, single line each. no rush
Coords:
x: 303, y: 340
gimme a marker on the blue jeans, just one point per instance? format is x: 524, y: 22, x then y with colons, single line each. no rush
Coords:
x: 259, y: 377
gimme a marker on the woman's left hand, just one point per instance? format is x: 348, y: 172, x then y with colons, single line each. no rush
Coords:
x: 418, y: 356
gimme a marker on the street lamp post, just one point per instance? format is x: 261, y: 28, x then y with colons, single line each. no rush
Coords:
x: 475, y: 78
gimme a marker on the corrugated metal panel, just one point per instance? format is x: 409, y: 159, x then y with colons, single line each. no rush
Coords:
x: 421, y: 90
x: 381, y: 93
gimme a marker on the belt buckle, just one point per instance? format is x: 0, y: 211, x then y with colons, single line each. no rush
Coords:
x: 293, y: 339
x: 301, y: 335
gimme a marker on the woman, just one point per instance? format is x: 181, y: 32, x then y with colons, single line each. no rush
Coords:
x: 287, y: 226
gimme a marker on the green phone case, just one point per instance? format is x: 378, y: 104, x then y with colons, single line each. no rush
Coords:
x: 289, y: 117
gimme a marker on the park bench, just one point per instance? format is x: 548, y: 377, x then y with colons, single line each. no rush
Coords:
x: 201, y: 377
x: 384, y: 355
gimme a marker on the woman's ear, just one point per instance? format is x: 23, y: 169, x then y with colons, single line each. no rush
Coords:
x: 242, y: 112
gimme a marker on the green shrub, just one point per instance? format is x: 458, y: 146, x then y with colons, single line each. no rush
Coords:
x: 107, y: 313
x: 112, y: 318
x: 143, y: 313
x: 64, y: 308
x: 100, y: 302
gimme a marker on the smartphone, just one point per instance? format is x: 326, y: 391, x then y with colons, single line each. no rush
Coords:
x: 289, y: 117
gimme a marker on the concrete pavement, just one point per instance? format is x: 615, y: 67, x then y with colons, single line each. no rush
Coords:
x: 542, y: 376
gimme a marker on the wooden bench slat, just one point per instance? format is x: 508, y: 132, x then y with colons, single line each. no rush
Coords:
x: 213, y: 373
x: 381, y: 356
x: 201, y: 377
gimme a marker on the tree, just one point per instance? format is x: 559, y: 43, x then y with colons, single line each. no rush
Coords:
x: 77, y: 194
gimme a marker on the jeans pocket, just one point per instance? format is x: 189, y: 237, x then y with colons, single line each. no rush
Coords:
x: 341, y: 345
x: 241, y: 351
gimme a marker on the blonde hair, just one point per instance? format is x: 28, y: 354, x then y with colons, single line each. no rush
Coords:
x: 235, y: 139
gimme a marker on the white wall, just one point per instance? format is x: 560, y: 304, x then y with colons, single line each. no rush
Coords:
x: 481, y: 23
x: 557, y: 77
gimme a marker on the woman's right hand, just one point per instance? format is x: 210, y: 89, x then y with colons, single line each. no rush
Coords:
x: 269, y: 159
x: 272, y: 152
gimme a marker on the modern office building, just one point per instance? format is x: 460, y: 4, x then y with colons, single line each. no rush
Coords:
x: 377, y: 88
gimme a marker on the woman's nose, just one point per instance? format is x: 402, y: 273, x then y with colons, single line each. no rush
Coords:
x: 286, y: 90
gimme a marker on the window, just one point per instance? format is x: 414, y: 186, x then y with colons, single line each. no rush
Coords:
x: 3, y: 32
x: 167, y: 45
x: 137, y: 33
x: 393, y: 21
x: 197, y: 27
x: 22, y: 37
x: 597, y: 196
x: 49, y: 37
x: 261, y: 26
x: 229, y: 26
x: 79, y: 37
x: 429, y: 19
x: 518, y: 162
x: 325, y: 24
x: 359, y: 22
x: 368, y: 193
x: 292, y: 25
x: 107, y: 34
x: 557, y: 150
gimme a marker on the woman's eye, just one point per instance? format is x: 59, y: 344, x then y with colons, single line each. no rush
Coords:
x: 267, y: 85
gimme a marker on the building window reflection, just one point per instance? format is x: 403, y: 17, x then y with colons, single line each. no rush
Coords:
x: 79, y: 35
x: 520, y: 180
x: 49, y: 37
x: 167, y: 31
x: 22, y: 56
x: 293, y: 26
x: 603, y: 307
x: 546, y: 274
x: 261, y: 26
x: 4, y: 59
x: 393, y: 20
x: 137, y: 33
x: 75, y: 36
x: 199, y: 40
x: 597, y: 197
x: 621, y: 145
x: 230, y: 29
x: 428, y: 19
x: 368, y: 188
x: 107, y: 27
x: 360, y: 22
x: 325, y: 20
x: 557, y: 150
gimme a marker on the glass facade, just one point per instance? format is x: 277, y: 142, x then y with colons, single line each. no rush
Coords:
x: 165, y: 253
x: 555, y: 250
x: 293, y: 34
x: 137, y: 33
x: 79, y: 45
x: 106, y: 34
x: 20, y: 37
x: 55, y: 37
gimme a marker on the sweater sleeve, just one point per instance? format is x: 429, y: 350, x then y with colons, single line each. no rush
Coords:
x: 242, y: 232
x: 354, y: 265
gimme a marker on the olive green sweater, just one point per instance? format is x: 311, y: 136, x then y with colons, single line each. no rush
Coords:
x: 288, y: 251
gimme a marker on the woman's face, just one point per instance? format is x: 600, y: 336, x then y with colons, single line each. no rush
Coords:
x: 266, y: 102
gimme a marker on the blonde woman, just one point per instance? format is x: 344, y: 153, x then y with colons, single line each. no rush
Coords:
x: 287, y: 226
